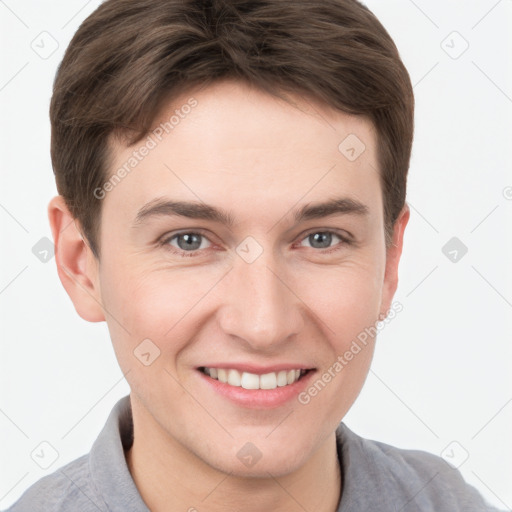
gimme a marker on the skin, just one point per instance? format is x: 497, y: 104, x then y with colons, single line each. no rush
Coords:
x: 259, y: 158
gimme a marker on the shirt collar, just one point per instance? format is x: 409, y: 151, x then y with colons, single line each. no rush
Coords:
x: 109, y: 470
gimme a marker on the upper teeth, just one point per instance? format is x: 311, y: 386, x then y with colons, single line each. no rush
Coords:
x: 248, y: 380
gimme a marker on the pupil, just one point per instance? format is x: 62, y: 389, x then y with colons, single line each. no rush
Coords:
x: 323, y: 238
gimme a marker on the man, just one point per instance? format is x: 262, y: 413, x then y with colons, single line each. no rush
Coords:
x: 232, y: 180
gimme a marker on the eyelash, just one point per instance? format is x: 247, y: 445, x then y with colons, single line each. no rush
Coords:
x: 165, y: 242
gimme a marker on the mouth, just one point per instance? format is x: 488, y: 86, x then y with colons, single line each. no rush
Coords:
x: 253, y: 381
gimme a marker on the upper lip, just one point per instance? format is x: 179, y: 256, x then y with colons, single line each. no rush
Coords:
x: 258, y: 369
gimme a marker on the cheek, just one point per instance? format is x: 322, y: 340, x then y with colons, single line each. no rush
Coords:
x: 346, y: 298
x: 151, y: 304
x: 348, y: 308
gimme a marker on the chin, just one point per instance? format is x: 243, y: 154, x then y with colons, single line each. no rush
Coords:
x: 257, y: 460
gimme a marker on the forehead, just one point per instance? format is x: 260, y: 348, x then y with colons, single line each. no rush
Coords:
x: 233, y: 117
x: 230, y: 143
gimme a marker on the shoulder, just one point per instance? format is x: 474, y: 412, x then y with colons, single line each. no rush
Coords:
x: 415, y: 479
x: 68, y: 488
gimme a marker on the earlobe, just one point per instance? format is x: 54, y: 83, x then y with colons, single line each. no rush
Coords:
x: 76, y: 264
x: 393, y: 255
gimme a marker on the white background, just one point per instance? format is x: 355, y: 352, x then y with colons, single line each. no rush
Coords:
x: 442, y: 369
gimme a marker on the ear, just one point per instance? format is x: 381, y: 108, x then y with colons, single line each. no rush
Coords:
x: 77, y: 265
x: 393, y: 254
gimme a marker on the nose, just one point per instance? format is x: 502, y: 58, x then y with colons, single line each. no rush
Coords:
x: 260, y: 307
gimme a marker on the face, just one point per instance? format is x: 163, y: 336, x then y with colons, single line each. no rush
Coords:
x: 248, y: 279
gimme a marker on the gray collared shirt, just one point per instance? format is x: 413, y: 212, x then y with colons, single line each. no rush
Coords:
x: 376, y: 476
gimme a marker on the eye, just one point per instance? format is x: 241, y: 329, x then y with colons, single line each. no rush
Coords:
x: 186, y: 244
x: 324, y: 239
x: 191, y: 243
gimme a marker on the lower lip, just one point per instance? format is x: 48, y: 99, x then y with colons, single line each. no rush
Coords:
x: 259, y: 398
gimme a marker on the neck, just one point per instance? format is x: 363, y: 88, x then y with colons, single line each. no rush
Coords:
x: 169, y: 477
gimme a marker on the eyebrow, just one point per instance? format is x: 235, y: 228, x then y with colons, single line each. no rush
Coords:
x: 197, y: 210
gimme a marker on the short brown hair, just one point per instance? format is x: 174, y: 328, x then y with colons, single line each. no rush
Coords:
x: 129, y: 57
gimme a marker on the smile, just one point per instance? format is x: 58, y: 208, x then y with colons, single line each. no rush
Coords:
x: 249, y: 380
